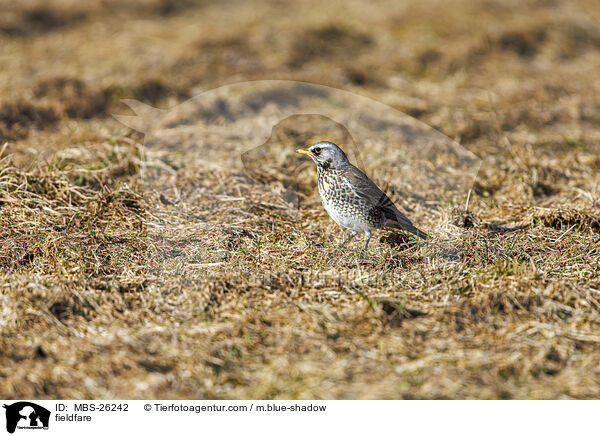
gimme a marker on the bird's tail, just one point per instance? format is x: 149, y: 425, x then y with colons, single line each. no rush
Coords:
x: 408, y: 227
x: 417, y: 232
x: 421, y: 234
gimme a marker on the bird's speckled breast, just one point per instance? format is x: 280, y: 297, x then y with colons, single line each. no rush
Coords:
x: 343, y: 205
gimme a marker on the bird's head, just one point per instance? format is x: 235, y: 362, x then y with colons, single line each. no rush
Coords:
x: 326, y: 154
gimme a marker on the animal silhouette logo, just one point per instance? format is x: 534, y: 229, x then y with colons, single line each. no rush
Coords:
x: 26, y: 415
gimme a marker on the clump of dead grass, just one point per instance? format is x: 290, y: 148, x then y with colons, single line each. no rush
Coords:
x: 569, y: 220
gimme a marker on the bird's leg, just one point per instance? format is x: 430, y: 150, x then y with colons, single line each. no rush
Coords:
x: 348, y: 239
x: 367, y: 239
x: 338, y: 249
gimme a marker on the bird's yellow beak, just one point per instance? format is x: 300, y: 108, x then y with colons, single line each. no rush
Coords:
x: 303, y: 151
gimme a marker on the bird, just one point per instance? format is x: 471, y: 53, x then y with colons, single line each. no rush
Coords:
x: 351, y: 198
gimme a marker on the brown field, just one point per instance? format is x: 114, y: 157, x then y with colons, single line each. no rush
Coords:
x: 128, y: 270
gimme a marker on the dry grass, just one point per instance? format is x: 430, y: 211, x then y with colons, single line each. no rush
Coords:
x: 207, y: 280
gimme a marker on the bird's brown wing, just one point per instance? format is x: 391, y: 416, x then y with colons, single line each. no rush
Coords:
x: 365, y: 188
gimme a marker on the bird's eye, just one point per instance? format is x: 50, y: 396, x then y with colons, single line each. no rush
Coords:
x: 317, y: 150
